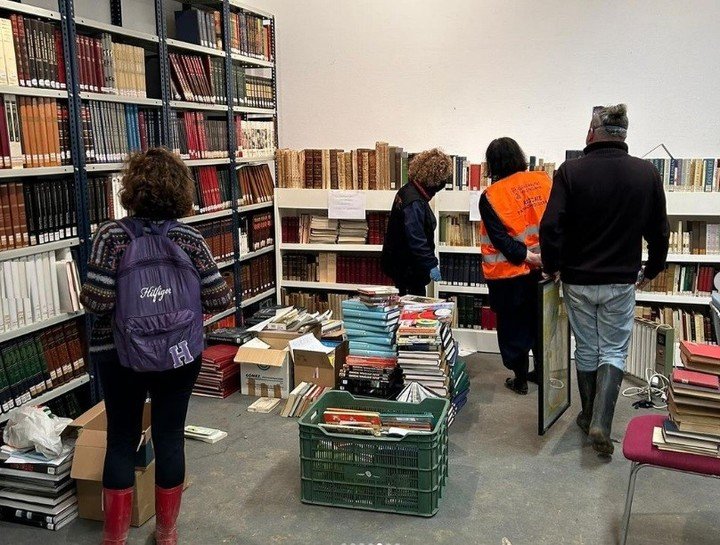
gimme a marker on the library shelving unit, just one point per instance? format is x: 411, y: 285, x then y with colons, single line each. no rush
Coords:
x: 703, y: 206
x: 234, y: 59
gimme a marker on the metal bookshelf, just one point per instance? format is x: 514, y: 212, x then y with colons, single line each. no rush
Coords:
x: 51, y: 394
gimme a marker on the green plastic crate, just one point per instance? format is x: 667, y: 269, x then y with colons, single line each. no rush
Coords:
x: 394, y: 474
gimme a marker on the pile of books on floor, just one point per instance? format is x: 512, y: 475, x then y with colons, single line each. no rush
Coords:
x: 694, y: 403
x: 37, y: 491
x: 370, y: 323
x: 352, y: 232
x: 301, y: 397
x: 219, y: 376
x: 374, y: 423
x: 323, y: 230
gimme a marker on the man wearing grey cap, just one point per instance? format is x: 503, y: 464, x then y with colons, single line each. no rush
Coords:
x: 601, y: 207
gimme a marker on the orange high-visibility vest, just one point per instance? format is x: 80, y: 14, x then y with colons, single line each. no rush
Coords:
x: 519, y: 201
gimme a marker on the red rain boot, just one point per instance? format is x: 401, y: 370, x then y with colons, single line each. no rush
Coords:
x: 117, y: 505
x: 167, y: 509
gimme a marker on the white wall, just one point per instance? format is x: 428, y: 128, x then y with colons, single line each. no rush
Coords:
x: 457, y: 73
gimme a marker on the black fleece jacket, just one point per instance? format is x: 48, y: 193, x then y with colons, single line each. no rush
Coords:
x: 600, y: 208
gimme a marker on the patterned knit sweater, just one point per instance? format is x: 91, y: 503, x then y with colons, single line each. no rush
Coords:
x: 98, y: 292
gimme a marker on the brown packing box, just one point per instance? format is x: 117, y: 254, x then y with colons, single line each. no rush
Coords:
x: 268, y: 372
x: 318, y: 368
x: 87, y: 467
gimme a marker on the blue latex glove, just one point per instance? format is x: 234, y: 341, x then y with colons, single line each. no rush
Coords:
x: 435, y: 274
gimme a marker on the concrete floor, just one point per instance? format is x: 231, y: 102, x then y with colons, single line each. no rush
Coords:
x: 506, y: 485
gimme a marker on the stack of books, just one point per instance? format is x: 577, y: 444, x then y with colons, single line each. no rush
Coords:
x: 37, y: 491
x: 370, y: 323
x: 374, y: 423
x: 352, y: 231
x: 219, y: 376
x: 323, y: 230
x: 301, y: 397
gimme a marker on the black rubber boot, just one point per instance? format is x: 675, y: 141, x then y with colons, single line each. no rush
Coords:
x: 586, y: 385
x: 607, y: 387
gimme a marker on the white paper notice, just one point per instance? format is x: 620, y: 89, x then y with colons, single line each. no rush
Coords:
x: 475, y: 205
x: 346, y: 205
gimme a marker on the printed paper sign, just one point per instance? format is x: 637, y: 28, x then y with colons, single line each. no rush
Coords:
x: 346, y: 205
x: 475, y: 205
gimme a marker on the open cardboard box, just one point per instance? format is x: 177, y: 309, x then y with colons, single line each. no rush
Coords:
x: 268, y: 372
x: 88, y: 460
x: 319, y: 368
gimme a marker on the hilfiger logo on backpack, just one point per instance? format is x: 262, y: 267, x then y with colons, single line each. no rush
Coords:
x: 156, y: 293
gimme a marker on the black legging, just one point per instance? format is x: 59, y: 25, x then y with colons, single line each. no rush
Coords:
x: 125, y: 392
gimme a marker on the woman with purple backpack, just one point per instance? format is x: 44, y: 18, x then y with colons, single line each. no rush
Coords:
x: 150, y: 279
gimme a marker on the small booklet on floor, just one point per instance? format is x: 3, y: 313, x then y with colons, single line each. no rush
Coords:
x: 207, y: 435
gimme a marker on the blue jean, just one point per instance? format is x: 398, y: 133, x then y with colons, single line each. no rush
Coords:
x: 601, y: 317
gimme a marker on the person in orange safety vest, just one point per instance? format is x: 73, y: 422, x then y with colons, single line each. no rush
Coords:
x: 511, y: 210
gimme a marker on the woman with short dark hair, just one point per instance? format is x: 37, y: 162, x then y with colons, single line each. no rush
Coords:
x: 511, y: 209
x: 156, y: 190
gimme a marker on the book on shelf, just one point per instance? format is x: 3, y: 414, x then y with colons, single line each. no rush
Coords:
x: 38, y: 287
x: 255, y: 183
x: 104, y: 200
x: 693, y: 237
x: 195, y: 135
x: 34, y: 132
x: 461, y: 270
x: 458, y: 230
x: 315, y: 302
x: 473, y: 312
x: 218, y: 236
x: 690, y: 174
x: 257, y: 275
x: 112, y: 131
x: 254, y: 138
x: 32, y: 53
x: 334, y: 268
x: 251, y: 36
x: 36, y: 212
x: 213, y: 190
x: 258, y: 92
x: 689, y: 324
x: 199, y: 26
x: 109, y: 67
x: 34, y: 364
x: 257, y: 231
x: 684, y: 279
x: 70, y: 404
x: 197, y: 78
x: 224, y: 323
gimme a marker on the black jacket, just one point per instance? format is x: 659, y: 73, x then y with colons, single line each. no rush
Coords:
x: 600, y: 208
x: 408, y: 252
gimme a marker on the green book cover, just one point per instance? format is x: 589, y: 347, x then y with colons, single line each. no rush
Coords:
x: 40, y: 355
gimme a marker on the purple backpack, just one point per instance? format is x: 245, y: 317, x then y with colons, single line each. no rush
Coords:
x: 158, y: 321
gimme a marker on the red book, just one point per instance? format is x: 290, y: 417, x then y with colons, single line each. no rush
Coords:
x: 695, y: 378
x: 60, y: 59
x: 702, y: 353
x: 474, y: 177
x: 98, y: 60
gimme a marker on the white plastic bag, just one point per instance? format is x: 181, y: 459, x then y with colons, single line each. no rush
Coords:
x: 32, y: 427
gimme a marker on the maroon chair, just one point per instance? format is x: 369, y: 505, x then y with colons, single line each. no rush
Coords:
x: 638, y: 448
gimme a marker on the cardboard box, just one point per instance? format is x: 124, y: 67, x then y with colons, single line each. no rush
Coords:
x: 88, y: 460
x: 320, y: 368
x: 266, y: 372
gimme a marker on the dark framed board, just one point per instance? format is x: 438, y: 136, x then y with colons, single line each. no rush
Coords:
x: 554, y: 347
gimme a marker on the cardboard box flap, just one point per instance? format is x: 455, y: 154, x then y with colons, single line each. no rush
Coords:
x: 93, y: 418
x: 89, y: 456
x: 258, y: 356
x: 305, y: 358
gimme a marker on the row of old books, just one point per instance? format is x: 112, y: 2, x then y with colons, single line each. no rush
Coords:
x: 254, y: 138
x: 218, y: 236
x: 689, y: 324
x: 213, y: 189
x: 219, y: 375
x: 253, y: 91
x: 314, y: 229
x: 693, y: 403
x: 194, y: 135
x: 695, y: 174
x: 370, y: 321
x: 35, y: 490
x: 257, y: 231
x: 33, y: 365
x: 458, y: 230
x: 693, y: 237
x: 34, y: 132
x: 199, y: 26
x: 32, y: 53
x: 257, y: 275
x: 684, y: 279
x: 251, y: 35
x: 334, y: 268
x: 37, y: 212
x: 461, y: 270
x: 38, y: 287
x: 219, y: 325
x: 315, y: 302
x: 107, y: 67
x: 256, y: 184
x: 197, y: 78
x: 472, y: 312
x: 112, y: 131
x: 300, y: 398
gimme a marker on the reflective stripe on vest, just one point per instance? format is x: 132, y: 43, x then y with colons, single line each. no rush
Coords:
x: 519, y: 202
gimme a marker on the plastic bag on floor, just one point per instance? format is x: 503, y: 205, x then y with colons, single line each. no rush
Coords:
x: 32, y: 427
